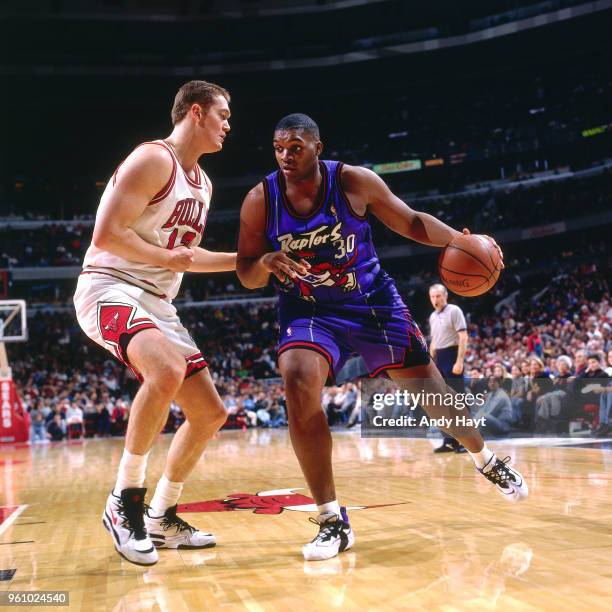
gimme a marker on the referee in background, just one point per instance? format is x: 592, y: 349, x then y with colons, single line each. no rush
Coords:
x: 447, y: 347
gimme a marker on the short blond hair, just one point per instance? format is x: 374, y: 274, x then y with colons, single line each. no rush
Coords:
x: 195, y: 92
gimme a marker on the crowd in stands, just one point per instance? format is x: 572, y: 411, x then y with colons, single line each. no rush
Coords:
x: 544, y: 354
x: 553, y: 330
x: 65, y: 244
x: 518, y: 207
x: 50, y: 245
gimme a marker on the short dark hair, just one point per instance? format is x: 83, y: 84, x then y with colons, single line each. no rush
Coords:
x: 195, y: 92
x: 593, y: 356
x: 298, y: 121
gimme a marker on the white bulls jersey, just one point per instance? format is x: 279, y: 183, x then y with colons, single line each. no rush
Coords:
x: 175, y: 216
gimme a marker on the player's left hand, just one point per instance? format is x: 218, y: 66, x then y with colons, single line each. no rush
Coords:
x: 467, y: 232
x: 457, y: 368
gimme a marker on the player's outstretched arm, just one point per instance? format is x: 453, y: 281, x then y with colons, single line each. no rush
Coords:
x: 363, y: 185
x: 256, y: 261
x: 143, y: 174
x: 212, y: 261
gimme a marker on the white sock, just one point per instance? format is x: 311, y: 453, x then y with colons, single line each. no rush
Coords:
x: 131, y: 473
x: 166, y: 495
x: 332, y: 507
x: 482, y: 457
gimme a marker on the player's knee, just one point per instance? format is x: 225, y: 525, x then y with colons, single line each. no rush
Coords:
x: 303, y: 419
x: 167, y: 377
x: 300, y: 383
x: 208, y: 414
x: 218, y: 414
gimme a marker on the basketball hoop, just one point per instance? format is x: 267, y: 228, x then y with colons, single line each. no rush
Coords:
x: 14, y: 419
x: 13, y: 328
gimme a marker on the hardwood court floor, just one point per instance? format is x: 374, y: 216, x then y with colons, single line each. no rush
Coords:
x: 452, y: 543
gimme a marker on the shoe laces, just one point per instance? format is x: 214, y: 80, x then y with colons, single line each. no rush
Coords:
x: 132, y: 514
x: 500, y: 473
x: 328, y: 529
x: 170, y: 519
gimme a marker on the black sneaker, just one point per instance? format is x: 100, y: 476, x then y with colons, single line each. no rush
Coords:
x: 171, y: 531
x: 335, y: 536
x: 446, y: 447
x: 123, y: 518
x: 507, y: 480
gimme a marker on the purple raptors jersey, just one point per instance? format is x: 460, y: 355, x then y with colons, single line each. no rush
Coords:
x: 333, y: 239
x: 346, y: 304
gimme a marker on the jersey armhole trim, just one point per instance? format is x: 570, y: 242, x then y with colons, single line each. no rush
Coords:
x: 266, y: 189
x: 344, y: 196
x: 197, y: 180
x: 165, y: 191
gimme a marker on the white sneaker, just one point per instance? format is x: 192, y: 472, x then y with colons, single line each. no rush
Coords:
x: 124, y: 519
x: 335, y: 536
x: 507, y: 480
x: 171, y: 531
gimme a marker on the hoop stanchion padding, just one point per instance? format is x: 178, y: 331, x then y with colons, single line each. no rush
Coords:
x: 14, y: 420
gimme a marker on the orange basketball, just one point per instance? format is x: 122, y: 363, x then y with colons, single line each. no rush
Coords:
x: 469, y: 265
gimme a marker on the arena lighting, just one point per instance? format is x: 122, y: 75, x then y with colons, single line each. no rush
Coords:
x: 406, y: 165
x: 457, y: 158
x: 600, y: 129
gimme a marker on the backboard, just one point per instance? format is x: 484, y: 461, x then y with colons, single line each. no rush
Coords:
x: 13, y: 321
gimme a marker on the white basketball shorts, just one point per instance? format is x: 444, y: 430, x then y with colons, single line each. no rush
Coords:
x: 112, y: 312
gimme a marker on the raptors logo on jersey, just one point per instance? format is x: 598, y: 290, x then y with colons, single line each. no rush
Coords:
x: 175, y: 216
x: 325, y: 273
x: 336, y: 242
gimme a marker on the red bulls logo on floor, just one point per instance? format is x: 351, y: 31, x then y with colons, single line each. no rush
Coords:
x: 266, y: 502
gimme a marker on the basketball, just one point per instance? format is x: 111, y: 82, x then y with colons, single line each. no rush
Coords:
x: 469, y: 265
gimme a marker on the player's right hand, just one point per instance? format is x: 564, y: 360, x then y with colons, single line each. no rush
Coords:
x: 282, y: 266
x: 179, y: 259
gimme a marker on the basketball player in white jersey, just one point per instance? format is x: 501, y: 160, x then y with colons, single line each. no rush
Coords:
x: 149, y: 223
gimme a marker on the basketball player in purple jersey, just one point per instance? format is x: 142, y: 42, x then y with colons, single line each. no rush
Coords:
x: 306, y: 224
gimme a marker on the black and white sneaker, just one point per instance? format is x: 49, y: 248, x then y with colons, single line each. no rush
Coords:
x: 124, y: 519
x: 171, y: 531
x: 445, y: 447
x: 335, y: 536
x: 507, y: 480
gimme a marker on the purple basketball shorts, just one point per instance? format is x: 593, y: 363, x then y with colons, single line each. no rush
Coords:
x: 378, y: 326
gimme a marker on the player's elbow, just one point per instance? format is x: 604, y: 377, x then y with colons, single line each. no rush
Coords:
x: 248, y: 282
x: 102, y: 239
x: 247, y: 276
